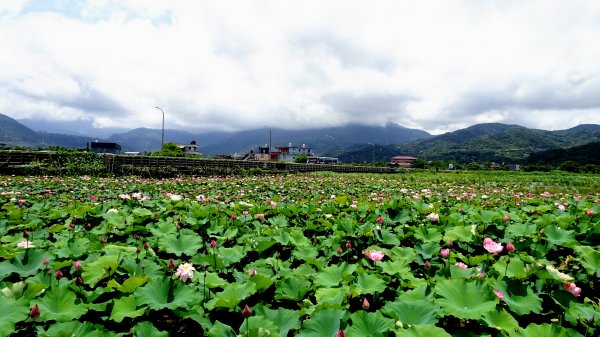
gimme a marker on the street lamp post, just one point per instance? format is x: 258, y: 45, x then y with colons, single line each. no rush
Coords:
x: 269, y: 142
x: 162, y: 139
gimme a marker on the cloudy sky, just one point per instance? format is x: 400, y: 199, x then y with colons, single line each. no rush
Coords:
x: 231, y: 65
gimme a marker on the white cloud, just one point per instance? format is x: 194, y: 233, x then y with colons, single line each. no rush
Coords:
x: 434, y: 65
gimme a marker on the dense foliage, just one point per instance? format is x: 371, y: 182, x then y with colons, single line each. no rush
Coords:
x: 301, y: 255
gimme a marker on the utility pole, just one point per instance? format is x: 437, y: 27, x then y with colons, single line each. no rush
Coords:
x: 269, y: 142
x: 162, y: 139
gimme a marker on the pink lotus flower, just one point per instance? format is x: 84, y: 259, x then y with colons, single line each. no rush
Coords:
x: 461, y: 265
x: 491, y: 246
x: 433, y: 217
x: 185, y: 271
x: 445, y: 252
x: 379, y: 219
x: 272, y: 203
x: 506, y: 218
x: 572, y: 288
x: 244, y: 212
x: 375, y: 255
x: 590, y: 212
x: 260, y: 216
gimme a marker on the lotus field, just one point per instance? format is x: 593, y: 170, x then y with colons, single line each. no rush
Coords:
x: 319, y: 255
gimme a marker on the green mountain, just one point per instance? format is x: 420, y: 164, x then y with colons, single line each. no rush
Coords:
x: 15, y: 134
x: 498, y: 142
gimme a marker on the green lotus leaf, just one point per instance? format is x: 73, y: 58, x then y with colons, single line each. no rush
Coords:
x: 305, y: 253
x: 141, y: 212
x: 520, y: 229
x: 74, y: 328
x: 166, y: 293
x: 186, y: 242
x: 428, y: 249
x: 333, y: 275
x: 397, y: 268
x: 547, y: 330
x: 212, y: 280
x: 370, y: 284
x: 125, y: 307
x: 285, y: 319
x: 162, y: 228
x: 519, y: 297
x: 221, y: 330
x: 261, y: 282
x: 24, y: 264
x: 589, y: 259
x: 428, y: 234
x: 99, y: 269
x: 11, y: 312
x: 231, y: 255
x: 259, y: 326
x: 515, y: 270
x: 559, y: 236
x: 129, y: 285
x: 72, y: 248
x: 298, y: 239
x: 459, y: 234
x: 292, y: 289
x: 60, y: 304
x: 413, y: 312
x: 232, y: 295
x: 369, y: 324
x: 322, y: 323
x: 501, y: 320
x: 144, y: 329
x: 422, y: 331
x: 333, y: 296
x: 582, y: 311
x: 462, y: 299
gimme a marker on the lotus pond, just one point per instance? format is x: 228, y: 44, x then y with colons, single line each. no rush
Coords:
x: 319, y: 255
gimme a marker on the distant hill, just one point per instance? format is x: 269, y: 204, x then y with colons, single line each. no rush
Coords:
x: 584, y: 154
x: 323, y: 141
x: 16, y: 134
x: 498, y: 142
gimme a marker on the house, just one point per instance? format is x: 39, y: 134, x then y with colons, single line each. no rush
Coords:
x: 289, y: 153
x: 191, y: 148
x: 104, y: 147
x: 402, y: 161
x: 3, y: 145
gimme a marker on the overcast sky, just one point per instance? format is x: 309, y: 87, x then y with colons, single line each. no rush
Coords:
x: 231, y: 65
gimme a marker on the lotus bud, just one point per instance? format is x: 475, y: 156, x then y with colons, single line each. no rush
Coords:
x: 445, y: 252
x: 79, y: 281
x: 450, y: 243
x: 34, y: 313
x: 77, y: 265
x: 46, y: 261
x: 102, y: 240
x: 246, y: 312
x: 137, y: 250
x: 427, y: 264
x: 233, y: 217
x: 213, y: 244
x: 379, y: 219
x: 58, y: 274
x: 146, y: 245
x: 510, y: 247
x: 171, y: 265
x: 340, y: 334
x: 348, y: 245
x: 25, y: 234
x: 252, y: 272
x: 365, y: 304
x: 339, y: 250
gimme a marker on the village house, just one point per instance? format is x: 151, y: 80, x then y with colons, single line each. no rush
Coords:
x: 402, y: 161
